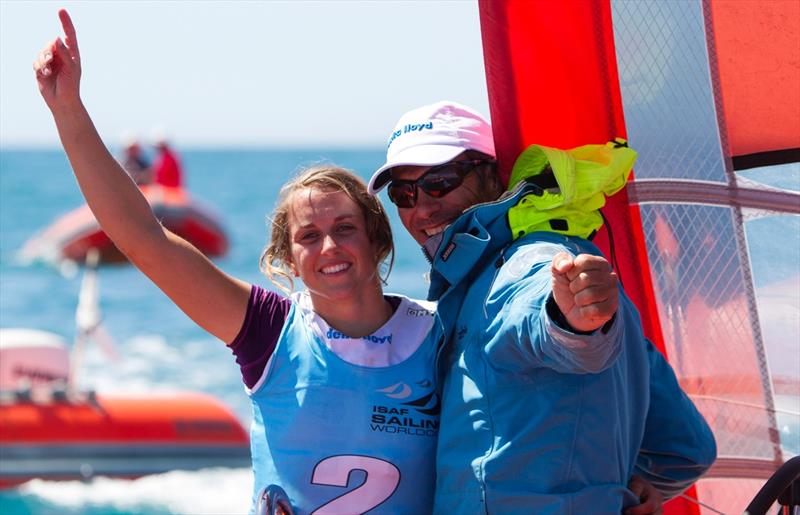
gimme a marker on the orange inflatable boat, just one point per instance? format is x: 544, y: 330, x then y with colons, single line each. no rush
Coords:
x: 73, y: 234
x: 49, y: 432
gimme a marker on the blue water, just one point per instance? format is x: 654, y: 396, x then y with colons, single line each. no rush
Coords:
x: 162, y: 350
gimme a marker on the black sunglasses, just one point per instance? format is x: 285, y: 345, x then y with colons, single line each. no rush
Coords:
x: 437, y: 182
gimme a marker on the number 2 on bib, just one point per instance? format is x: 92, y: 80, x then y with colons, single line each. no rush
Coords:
x: 380, y: 483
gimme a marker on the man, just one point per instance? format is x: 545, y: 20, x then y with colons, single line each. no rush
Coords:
x: 167, y: 168
x: 552, y: 397
x: 135, y: 163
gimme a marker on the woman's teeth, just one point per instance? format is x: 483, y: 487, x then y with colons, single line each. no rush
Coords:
x: 335, y: 268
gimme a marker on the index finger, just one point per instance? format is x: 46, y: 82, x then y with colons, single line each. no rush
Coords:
x: 71, y: 39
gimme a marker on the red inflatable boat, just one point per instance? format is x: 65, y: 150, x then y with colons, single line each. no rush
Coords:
x: 73, y: 234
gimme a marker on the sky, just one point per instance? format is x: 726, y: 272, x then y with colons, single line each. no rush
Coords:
x: 259, y: 73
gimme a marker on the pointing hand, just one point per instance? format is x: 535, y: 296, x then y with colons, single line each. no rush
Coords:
x: 58, y: 67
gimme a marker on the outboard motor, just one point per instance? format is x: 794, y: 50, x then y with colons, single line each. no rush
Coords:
x: 31, y: 359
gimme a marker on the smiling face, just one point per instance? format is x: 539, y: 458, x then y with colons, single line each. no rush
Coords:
x: 430, y: 216
x: 329, y: 245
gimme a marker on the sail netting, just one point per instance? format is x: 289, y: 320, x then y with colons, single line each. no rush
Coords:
x: 711, y: 256
x: 701, y: 259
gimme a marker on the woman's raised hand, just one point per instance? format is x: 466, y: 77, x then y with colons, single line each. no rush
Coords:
x: 58, y: 68
x: 216, y: 301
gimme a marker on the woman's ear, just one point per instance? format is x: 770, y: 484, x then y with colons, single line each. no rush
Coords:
x: 293, y: 269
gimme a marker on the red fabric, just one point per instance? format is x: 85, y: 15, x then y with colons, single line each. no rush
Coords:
x: 758, y: 58
x: 552, y: 79
x: 168, y: 169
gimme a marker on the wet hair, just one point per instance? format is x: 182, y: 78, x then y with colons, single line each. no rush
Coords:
x: 276, y: 258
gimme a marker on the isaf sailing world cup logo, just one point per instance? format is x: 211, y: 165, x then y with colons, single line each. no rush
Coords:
x: 408, y: 410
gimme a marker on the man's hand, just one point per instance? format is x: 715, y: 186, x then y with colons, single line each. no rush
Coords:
x: 585, y: 290
x: 650, y: 498
x: 58, y: 68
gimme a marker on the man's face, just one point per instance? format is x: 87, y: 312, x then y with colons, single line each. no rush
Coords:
x: 430, y: 216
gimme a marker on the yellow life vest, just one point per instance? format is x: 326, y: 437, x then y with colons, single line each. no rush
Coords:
x: 573, y: 185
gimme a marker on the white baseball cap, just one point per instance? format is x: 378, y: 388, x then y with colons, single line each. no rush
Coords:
x: 432, y: 135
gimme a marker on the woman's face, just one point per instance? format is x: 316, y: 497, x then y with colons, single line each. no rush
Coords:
x: 330, y: 249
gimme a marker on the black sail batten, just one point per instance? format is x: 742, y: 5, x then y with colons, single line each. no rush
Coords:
x: 769, y: 158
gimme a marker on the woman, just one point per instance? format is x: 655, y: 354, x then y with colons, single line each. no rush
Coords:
x: 345, y: 414
x: 341, y: 377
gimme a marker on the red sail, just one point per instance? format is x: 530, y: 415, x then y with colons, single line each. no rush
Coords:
x: 702, y: 89
x: 552, y: 79
x: 758, y: 50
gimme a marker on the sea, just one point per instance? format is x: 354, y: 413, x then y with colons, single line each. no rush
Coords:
x: 159, y: 349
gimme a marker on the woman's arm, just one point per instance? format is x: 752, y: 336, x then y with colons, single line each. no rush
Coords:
x: 214, y: 300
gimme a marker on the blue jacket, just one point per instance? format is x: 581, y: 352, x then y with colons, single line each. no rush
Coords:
x: 535, y: 418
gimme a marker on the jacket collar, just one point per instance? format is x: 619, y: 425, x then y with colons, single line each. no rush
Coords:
x: 472, y: 238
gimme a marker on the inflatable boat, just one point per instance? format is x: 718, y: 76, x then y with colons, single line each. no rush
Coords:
x: 70, y: 236
x: 48, y: 431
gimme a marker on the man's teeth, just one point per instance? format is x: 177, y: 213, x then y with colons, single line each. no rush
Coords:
x: 335, y: 268
x: 436, y: 230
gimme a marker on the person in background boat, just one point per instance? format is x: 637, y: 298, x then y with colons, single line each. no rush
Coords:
x: 167, y: 169
x: 135, y: 163
x: 552, y: 396
x: 341, y: 376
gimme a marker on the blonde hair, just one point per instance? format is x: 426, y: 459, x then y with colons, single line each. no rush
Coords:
x: 276, y: 258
